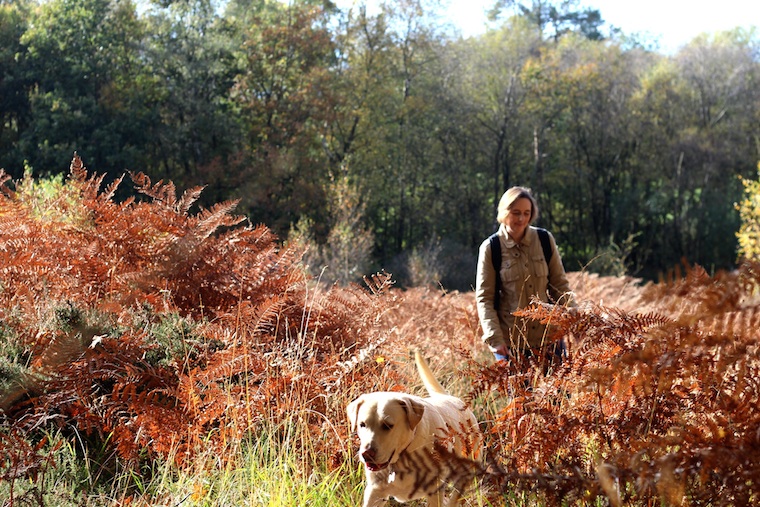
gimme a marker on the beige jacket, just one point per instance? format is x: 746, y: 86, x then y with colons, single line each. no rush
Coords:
x: 524, y: 274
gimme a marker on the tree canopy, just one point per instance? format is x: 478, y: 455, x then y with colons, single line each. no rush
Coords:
x: 634, y: 156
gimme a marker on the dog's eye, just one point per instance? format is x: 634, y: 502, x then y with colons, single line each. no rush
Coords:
x: 362, y: 425
x: 387, y: 427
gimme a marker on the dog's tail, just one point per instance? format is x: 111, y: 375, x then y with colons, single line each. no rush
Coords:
x: 428, y: 379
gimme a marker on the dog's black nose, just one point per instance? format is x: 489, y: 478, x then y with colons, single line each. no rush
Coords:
x: 369, y: 455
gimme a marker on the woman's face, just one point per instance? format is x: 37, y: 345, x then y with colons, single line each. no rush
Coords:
x: 518, y: 218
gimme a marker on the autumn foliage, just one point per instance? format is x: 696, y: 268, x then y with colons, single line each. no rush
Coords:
x: 657, y: 403
x: 158, y: 331
x: 155, y: 329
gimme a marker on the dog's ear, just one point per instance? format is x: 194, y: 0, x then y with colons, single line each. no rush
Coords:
x: 414, y: 410
x: 352, y: 410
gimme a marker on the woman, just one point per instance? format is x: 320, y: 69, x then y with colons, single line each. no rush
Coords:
x: 524, y: 273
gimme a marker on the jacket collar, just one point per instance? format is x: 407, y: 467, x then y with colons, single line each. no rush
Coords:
x: 530, y: 233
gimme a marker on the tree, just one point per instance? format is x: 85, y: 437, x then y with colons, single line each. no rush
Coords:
x: 84, y: 61
x: 14, y: 83
x: 191, y: 53
x: 287, y: 99
x: 580, y: 95
x: 498, y: 93
x: 721, y: 76
x: 558, y: 17
x: 363, y: 48
x: 266, y: 102
x: 749, y: 210
x: 387, y: 63
x: 346, y: 254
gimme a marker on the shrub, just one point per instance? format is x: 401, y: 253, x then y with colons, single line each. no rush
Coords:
x: 150, y: 331
x: 749, y: 210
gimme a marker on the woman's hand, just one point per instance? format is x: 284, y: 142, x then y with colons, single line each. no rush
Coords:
x: 503, y: 350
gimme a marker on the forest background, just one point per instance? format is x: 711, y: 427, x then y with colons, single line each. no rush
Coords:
x: 386, y: 140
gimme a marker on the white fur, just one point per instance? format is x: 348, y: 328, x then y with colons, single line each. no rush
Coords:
x: 397, y: 431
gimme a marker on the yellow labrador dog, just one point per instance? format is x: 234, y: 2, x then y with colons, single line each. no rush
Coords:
x: 398, y: 433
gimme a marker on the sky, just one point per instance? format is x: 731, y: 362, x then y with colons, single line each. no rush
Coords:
x: 672, y: 22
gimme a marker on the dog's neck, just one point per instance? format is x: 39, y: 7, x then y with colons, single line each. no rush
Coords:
x: 400, y: 461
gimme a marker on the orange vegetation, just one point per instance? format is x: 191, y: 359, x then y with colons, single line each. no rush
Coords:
x: 156, y: 332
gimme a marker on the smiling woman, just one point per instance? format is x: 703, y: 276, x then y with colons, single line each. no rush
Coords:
x: 516, y: 265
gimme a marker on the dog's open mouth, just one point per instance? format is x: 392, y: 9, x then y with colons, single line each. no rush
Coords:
x: 374, y: 467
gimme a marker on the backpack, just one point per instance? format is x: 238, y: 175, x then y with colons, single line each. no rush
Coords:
x: 546, y: 246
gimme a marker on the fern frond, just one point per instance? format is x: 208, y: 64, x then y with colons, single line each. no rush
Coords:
x: 161, y: 193
x: 189, y: 197
x: 4, y: 179
x: 110, y: 190
x: 86, y: 185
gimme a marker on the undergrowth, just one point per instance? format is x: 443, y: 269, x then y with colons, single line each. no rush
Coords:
x: 153, y: 353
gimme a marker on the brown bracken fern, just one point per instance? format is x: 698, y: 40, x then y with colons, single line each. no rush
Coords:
x: 151, y: 328
x: 154, y: 331
x: 656, y: 405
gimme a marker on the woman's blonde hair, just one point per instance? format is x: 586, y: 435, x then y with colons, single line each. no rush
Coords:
x: 508, y: 199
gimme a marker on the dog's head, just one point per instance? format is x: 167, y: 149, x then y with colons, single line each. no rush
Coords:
x: 385, y: 423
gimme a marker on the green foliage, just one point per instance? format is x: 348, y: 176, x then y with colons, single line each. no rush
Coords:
x: 177, y: 340
x: 192, y: 65
x: 749, y: 210
x: 14, y: 103
x: 286, y: 96
x: 553, y: 18
x: 83, y: 87
x: 263, y: 102
x: 258, y: 471
x: 14, y: 361
x: 49, y: 199
x: 615, y: 259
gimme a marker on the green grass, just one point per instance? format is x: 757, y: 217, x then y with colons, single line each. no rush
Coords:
x: 258, y: 479
x: 265, y: 470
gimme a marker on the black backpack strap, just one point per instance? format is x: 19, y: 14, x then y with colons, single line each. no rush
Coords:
x: 496, y: 261
x: 546, y: 244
